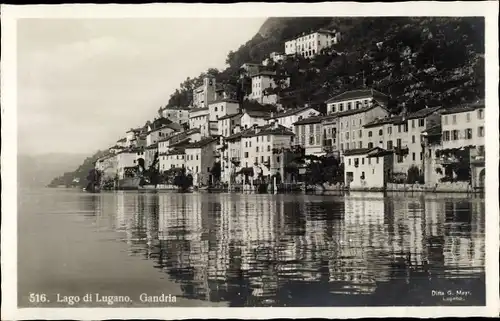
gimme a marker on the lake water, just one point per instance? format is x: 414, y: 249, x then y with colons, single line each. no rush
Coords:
x: 357, y: 249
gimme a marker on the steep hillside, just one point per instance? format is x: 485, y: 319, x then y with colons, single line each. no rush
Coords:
x: 80, y: 173
x: 417, y: 61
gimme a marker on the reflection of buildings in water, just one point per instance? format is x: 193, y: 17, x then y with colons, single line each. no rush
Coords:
x: 151, y: 223
x: 464, y: 241
x: 361, y: 240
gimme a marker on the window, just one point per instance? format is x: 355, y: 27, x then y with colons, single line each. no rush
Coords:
x: 341, y: 107
x: 413, y: 156
x: 262, y: 159
x: 413, y: 123
x: 246, y: 154
x: 370, y: 145
x: 349, y: 104
x: 333, y: 108
x: 311, y: 140
x: 349, y: 162
x: 362, y: 163
x: 413, y: 139
x: 421, y: 155
x: 196, y: 156
x: 389, y: 130
x: 246, y: 144
x: 268, y: 148
x: 406, y: 127
x: 480, y: 131
x: 347, y: 146
x: 370, y: 133
x: 389, y: 144
x: 468, y: 117
x: 369, y: 161
x: 468, y: 133
x: 208, y: 169
x: 380, y: 132
x: 399, y: 128
x: 360, y: 144
x: 454, y: 119
x: 454, y: 135
x: 196, y: 169
x: 215, y: 109
x: 277, y: 159
x: 256, y: 159
x: 360, y: 133
x: 347, y: 135
x: 421, y: 122
x: 257, y: 149
x: 268, y: 138
x: 399, y: 142
x: 342, y: 147
x: 377, y: 160
x: 257, y: 142
x: 341, y: 125
x: 446, y: 135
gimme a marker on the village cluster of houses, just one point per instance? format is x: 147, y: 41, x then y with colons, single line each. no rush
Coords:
x: 358, y: 128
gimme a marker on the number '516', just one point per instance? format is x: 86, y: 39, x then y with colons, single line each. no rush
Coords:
x: 38, y: 298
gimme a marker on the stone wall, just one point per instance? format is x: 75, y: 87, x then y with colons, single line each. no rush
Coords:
x: 456, y: 187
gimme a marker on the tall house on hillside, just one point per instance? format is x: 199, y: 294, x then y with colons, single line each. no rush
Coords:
x: 463, y: 127
x: 354, y: 109
x: 160, y: 128
x: 402, y: 134
x: 175, y: 113
x: 200, y: 158
x: 264, y: 81
x: 309, y: 45
x: 291, y: 116
x: 317, y: 135
x: 199, y: 118
x: 204, y: 94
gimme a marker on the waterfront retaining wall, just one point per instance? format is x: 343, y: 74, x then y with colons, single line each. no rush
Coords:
x: 447, y: 187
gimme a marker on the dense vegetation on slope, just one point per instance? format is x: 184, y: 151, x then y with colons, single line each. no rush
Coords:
x: 417, y: 61
x: 80, y: 174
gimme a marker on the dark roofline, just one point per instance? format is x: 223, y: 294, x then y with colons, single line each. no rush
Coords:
x: 357, y: 111
x: 201, y: 143
x: 291, y: 112
x: 224, y: 100
x: 463, y: 109
x: 230, y: 116
x: 355, y: 94
x: 364, y: 151
x: 310, y: 120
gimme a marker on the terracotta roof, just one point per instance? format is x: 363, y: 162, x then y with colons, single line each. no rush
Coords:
x: 310, y: 120
x: 366, y: 151
x: 194, y: 110
x: 291, y: 112
x: 357, y: 94
x: 423, y: 112
x: 231, y: 116
x: 201, y: 143
x: 383, y: 121
x: 356, y: 111
x: 271, y: 129
x: 463, y: 109
x: 258, y: 113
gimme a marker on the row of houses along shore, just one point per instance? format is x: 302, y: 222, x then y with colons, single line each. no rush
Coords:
x: 443, y: 145
x: 435, y: 148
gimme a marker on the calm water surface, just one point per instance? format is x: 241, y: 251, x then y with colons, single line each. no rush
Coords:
x: 254, y: 250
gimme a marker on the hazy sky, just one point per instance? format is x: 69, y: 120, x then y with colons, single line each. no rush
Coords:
x: 83, y: 83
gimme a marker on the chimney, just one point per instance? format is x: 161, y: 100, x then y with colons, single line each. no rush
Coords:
x: 236, y: 129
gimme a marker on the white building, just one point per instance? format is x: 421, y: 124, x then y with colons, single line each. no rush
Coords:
x: 204, y: 94
x: 254, y: 117
x: 262, y: 83
x: 176, y: 139
x: 125, y: 159
x: 355, y: 99
x: 160, y: 128
x: 404, y: 132
x: 367, y: 168
x: 200, y: 158
x: 291, y: 116
x: 312, y: 135
x: 132, y: 136
x: 176, y: 114
x: 463, y: 126
x: 311, y: 44
x: 198, y: 118
x: 227, y: 123
x: 175, y: 158
x: 259, y: 145
x: 277, y: 56
x: 222, y: 108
